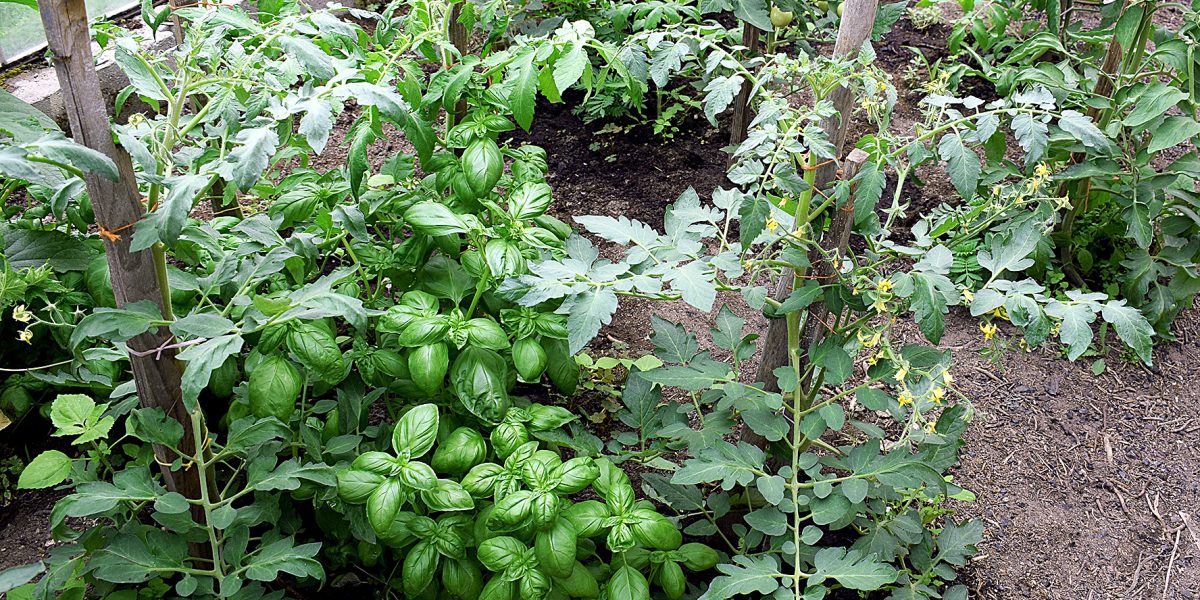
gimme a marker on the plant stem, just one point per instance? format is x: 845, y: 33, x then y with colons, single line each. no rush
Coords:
x: 159, y: 255
x: 206, y: 501
x: 479, y: 289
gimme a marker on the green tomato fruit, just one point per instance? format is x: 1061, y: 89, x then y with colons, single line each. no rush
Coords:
x: 780, y: 18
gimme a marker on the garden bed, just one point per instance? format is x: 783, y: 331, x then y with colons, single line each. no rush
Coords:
x: 1086, y: 477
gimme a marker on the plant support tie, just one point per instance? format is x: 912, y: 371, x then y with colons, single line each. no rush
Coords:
x: 167, y: 345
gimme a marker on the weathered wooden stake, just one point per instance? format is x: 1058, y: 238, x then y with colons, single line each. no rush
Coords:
x: 740, y: 122
x: 855, y: 28
x: 118, y: 206
x: 460, y: 38
x: 833, y: 244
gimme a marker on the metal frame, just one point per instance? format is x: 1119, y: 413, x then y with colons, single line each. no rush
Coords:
x: 129, y: 8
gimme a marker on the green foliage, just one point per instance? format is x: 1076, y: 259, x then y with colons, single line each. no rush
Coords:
x: 1116, y: 192
x: 357, y: 343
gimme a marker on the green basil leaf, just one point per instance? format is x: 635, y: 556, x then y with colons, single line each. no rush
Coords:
x: 459, y: 452
x: 446, y: 495
x: 384, y: 504
x: 628, y: 584
x: 420, y: 566
x: 498, y: 553
x: 486, y: 333
x: 588, y: 517
x: 416, y: 431
x: 513, y: 510
x: 555, y: 549
x: 355, y: 486
x: 576, y: 474
x: 434, y: 219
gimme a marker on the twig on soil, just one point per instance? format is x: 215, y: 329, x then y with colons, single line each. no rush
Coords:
x: 1120, y: 498
x: 1191, y: 530
x: 1154, y: 509
x: 1137, y: 574
x: 1171, y: 563
x: 988, y: 373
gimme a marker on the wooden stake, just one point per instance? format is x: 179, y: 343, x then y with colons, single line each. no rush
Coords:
x: 117, y: 206
x: 740, y: 123
x: 855, y: 28
x: 460, y: 38
x: 833, y: 244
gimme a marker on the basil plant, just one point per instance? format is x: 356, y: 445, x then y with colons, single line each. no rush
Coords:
x: 467, y: 527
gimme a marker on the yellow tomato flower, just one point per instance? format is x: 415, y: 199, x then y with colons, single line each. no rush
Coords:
x: 869, y: 341
x: 947, y: 378
x: 931, y: 427
x: 905, y: 398
x: 1041, y: 170
x: 26, y: 335
x: 880, y: 305
x: 989, y: 331
x: 884, y: 285
x: 902, y: 372
x: 1000, y: 312
x: 772, y: 224
x: 21, y: 314
x: 939, y: 394
x: 967, y: 295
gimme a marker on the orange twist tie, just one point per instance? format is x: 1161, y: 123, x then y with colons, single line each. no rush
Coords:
x: 112, y: 234
x: 816, y: 166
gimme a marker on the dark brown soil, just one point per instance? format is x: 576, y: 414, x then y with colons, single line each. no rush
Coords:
x: 25, y: 527
x: 631, y: 174
x: 1083, y: 481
